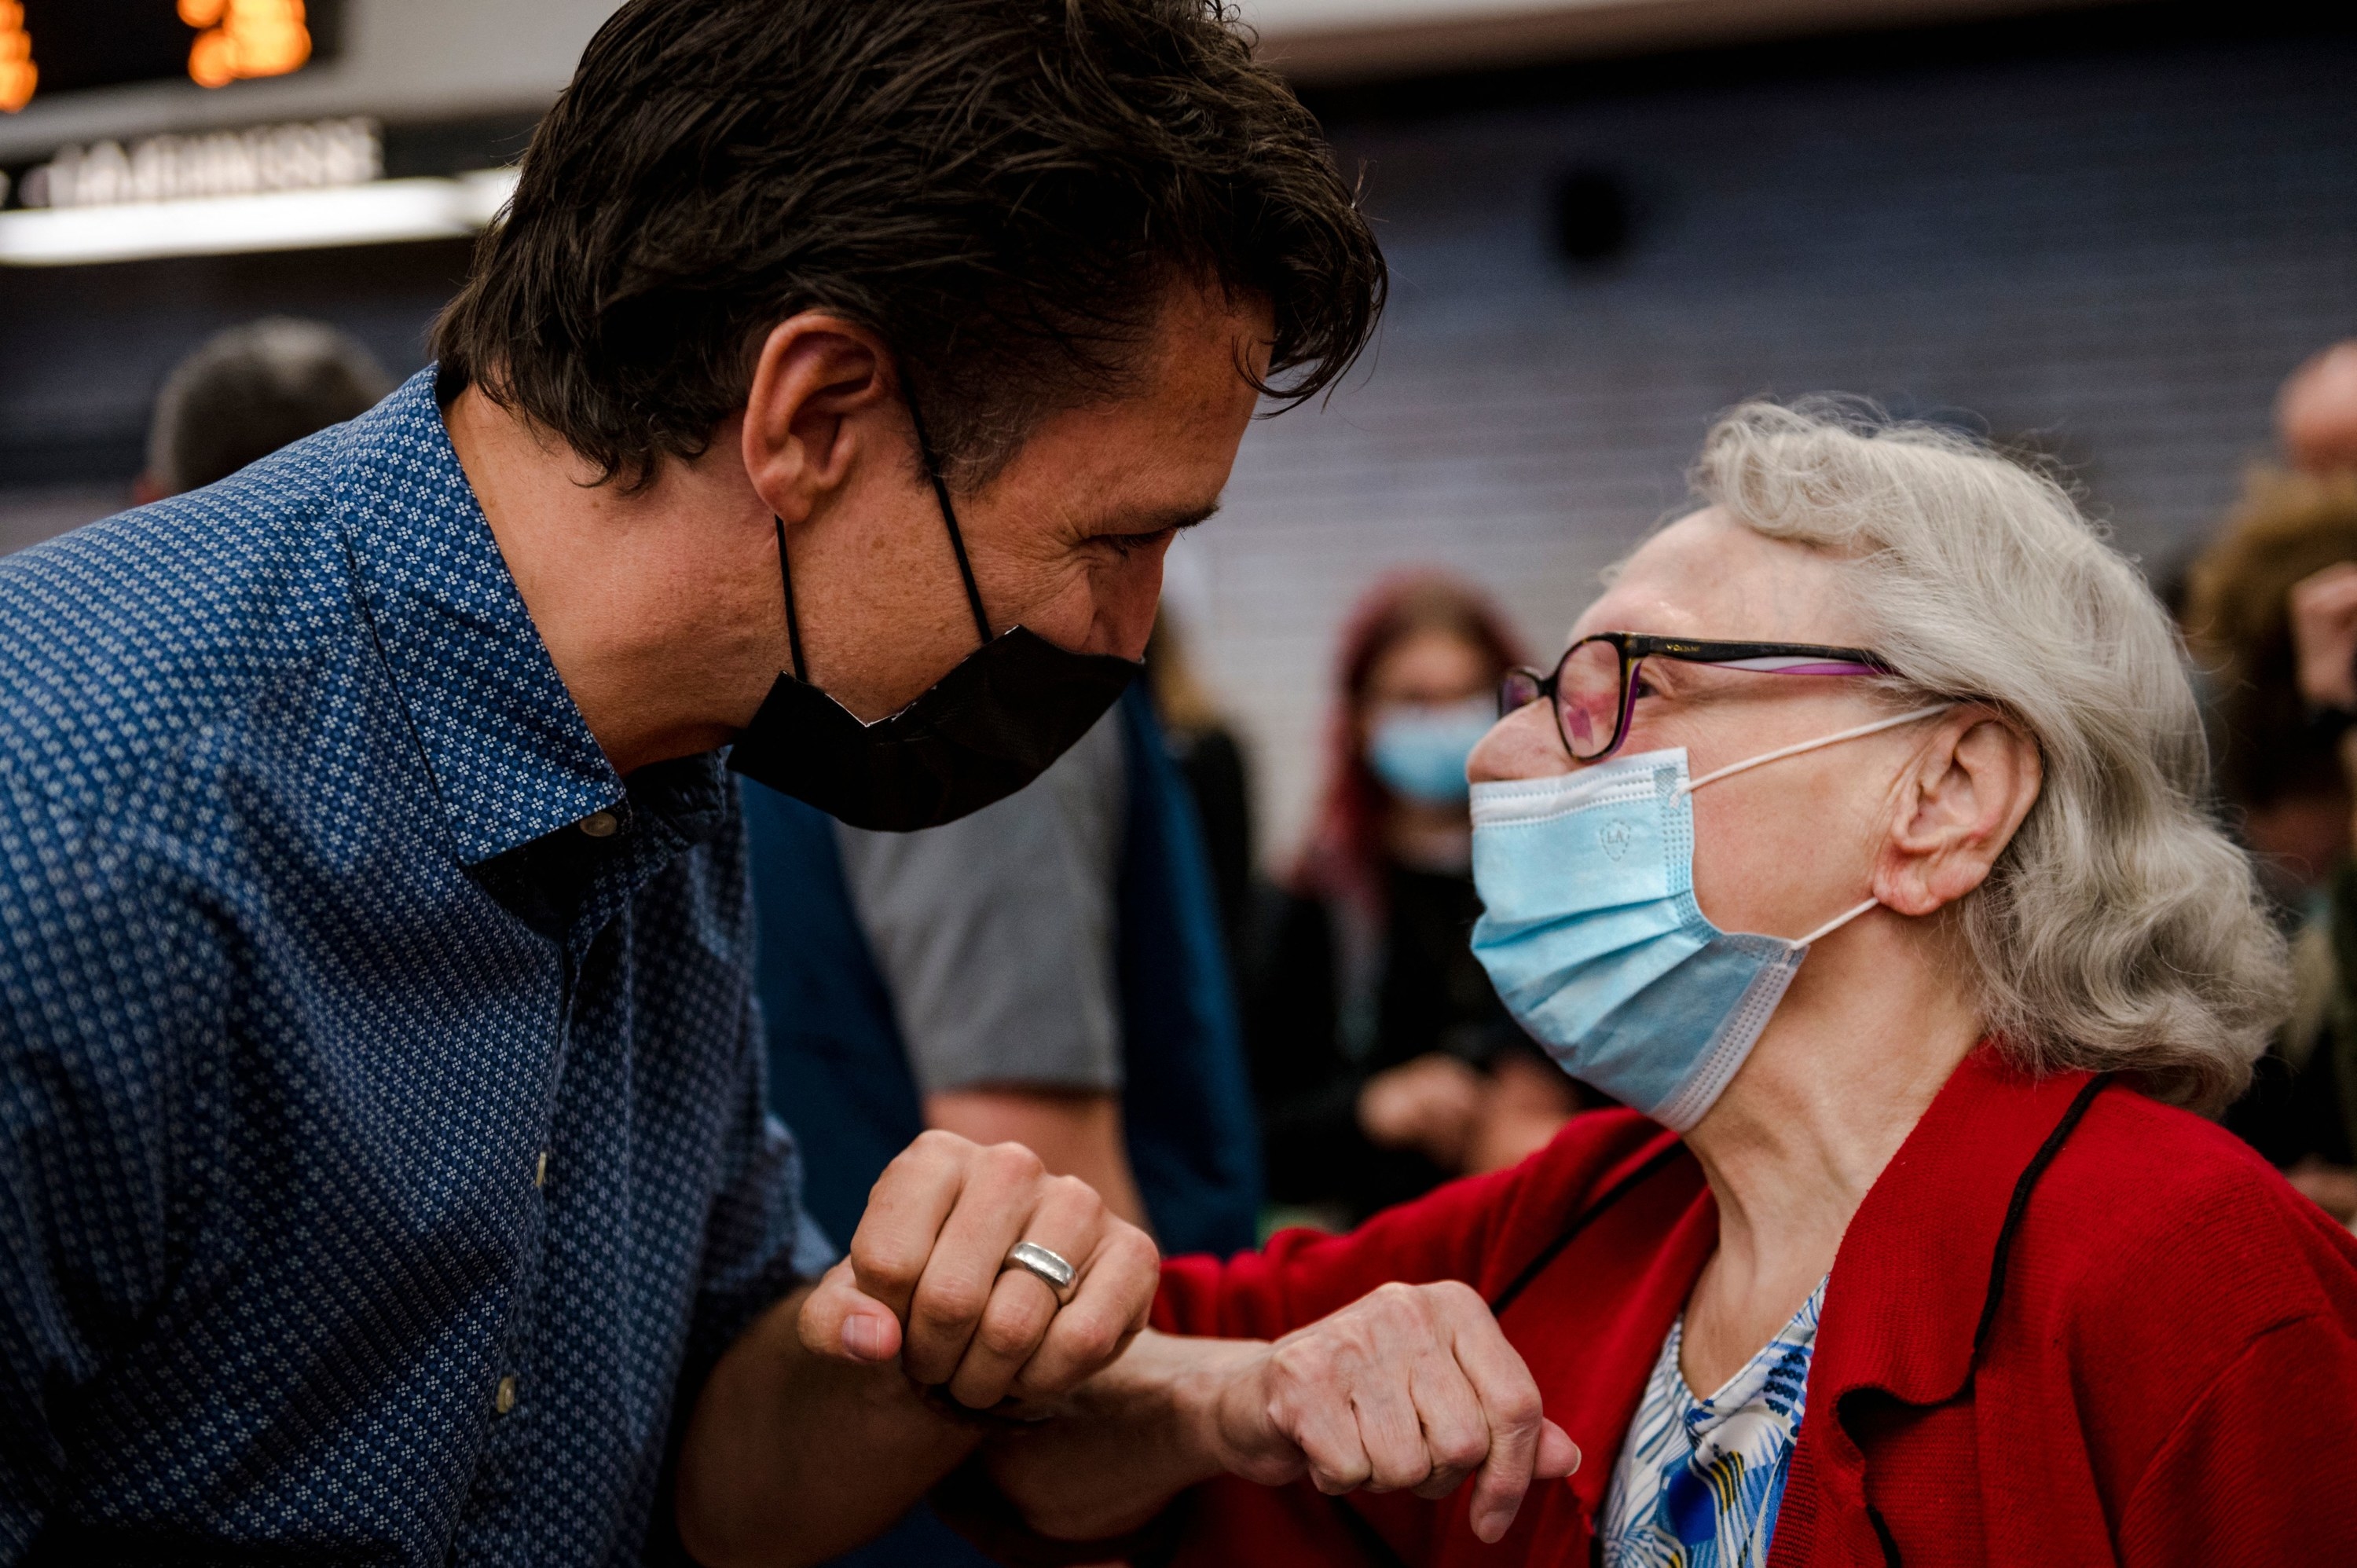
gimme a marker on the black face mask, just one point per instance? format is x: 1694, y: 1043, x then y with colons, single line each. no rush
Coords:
x: 976, y: 737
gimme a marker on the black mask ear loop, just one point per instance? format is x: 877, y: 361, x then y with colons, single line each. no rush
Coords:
x: 793, y: 627
x: 957, y: 545
x: 949, y: 516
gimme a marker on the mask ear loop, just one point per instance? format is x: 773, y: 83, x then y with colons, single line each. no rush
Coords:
x: 793, y: 626
x: 1781, y: 752
x: 1798, y: 944
x: 949, y: 516
x: 1830, y: 926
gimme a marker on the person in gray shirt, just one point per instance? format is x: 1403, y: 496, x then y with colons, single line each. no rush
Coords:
x: 995, y: 938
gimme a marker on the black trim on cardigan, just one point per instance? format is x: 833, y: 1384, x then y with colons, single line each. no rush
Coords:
x: 1579, y: 1222
x: 2022, y: 1188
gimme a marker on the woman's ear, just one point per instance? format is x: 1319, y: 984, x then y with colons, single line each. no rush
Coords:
x: 1957, y: 809
x: 819, y: 387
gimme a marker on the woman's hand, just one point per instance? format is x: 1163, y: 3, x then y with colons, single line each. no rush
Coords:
x: 2324, y: 635
x: 2331, y: 1188
x: 1431, y: 1105
x: 1530, y: 1100
x: 1412, y: 1388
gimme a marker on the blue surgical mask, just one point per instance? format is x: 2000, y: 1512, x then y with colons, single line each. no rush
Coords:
x: 1419, y: 752
x: 1590, y: 932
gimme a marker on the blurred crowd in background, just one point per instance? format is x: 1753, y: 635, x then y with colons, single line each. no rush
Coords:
x: 1318, y: 1040
x: 1097, y: 966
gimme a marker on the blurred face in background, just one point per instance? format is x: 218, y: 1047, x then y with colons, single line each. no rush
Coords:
x: 1428, y: 699
x: 2315, y: 414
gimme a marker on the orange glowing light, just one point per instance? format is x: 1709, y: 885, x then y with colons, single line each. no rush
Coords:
x: 18, y: 74
x: 240, y: 39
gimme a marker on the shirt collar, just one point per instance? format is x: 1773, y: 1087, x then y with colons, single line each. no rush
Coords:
x: 511, y: 756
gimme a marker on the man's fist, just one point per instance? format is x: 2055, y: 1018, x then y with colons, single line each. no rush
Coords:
x: 926, y: 1278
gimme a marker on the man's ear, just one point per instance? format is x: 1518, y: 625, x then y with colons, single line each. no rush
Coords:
x: 1957, y: 809
x: 818, y: 386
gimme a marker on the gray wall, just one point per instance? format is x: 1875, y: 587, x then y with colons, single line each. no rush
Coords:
x: 2115, y: 254
x: 2115, y: 257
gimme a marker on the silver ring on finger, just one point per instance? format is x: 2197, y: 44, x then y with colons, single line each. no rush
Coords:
x: 1050, y: 1267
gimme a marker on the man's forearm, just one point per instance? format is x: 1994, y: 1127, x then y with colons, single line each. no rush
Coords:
x: 791, y: 1459
x: 1126, y: 1442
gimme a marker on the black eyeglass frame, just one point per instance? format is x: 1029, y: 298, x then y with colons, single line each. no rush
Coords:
x: 1523, y: 685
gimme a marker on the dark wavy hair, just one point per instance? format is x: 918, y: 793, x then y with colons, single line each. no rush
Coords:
x: 1003, y: 190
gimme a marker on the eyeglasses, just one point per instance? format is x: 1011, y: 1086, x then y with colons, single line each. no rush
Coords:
x: 1594, y: 682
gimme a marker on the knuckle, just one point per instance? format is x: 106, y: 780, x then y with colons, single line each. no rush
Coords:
x: 883, y: 1261
x: 1519, y: 1406
x: 1132, y: 1251
x: 1009, y: 1334
x: 1092, y: 1343
x: 1072, y: 1192
x: 1013, y: 1163
x: 953, y: 1299
x: 1398, y: 1308
x: 1461, y: 1450
x: 1359, y: 1339
x: 1335, y: 1479
x: 1407, y: 1471
x: 932, y: 1156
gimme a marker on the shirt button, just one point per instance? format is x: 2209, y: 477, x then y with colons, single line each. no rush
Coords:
x: 504, y: 1400
x: 540, y: 1170
x: 600, y: 824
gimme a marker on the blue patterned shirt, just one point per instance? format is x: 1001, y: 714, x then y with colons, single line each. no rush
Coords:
x: 382, y: 1159
x: 1699, y: 1480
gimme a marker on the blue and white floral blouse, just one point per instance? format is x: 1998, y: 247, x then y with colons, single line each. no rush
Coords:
x: 1698, y: 1481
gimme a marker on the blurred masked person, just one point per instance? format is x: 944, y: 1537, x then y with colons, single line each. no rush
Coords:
x: 249, y: 391
x: 383, y: 1127
x: 1856, y: 845
x: 1382, y: 1056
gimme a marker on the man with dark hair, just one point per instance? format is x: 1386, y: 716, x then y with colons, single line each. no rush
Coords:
x: 381, y: 1125
x: 248, y: 391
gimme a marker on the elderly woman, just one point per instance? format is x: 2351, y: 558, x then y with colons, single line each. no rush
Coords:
x: 1911, y: 1251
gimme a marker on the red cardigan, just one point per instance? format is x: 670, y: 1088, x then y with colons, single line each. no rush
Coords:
x: 2069, y: 1325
